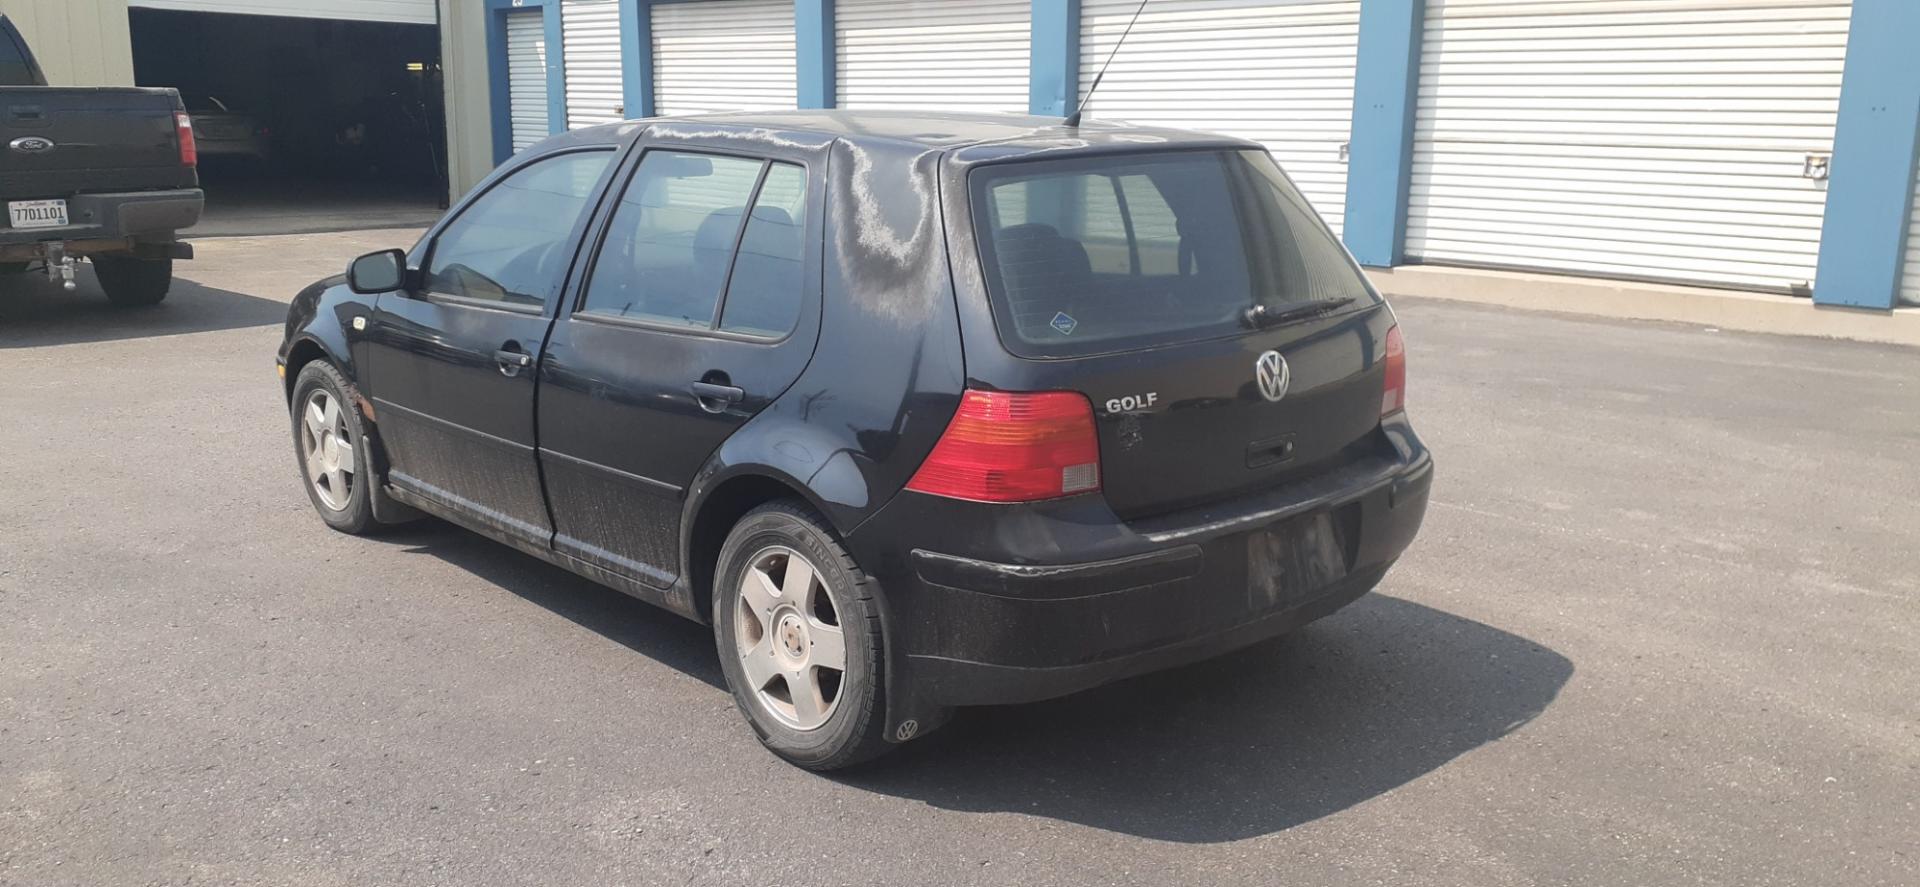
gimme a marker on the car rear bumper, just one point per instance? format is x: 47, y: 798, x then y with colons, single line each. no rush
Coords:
x: 975, y: 630
x: 117, y: 216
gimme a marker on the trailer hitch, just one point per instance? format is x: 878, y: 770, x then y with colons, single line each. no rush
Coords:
x: 60, y: 266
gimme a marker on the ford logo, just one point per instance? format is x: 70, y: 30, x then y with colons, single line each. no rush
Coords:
x: 31, y: 145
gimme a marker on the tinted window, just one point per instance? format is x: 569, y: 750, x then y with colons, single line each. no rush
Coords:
x: 1104, y: 254
x: 13, y: 64
x: 511, y: 243
x: 670, y: 246
x: 763, y: 296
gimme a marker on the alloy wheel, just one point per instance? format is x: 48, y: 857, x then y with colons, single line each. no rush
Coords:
x: 327, y: 447
x: 788, y: 637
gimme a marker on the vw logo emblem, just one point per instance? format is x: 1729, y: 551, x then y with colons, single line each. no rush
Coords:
x: 31, y: 145
x: 1273, y: 374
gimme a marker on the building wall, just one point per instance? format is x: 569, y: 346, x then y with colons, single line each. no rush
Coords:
x: 78, y: 42
x: 465, y: 66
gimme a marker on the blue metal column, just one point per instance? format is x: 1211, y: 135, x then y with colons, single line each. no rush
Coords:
x: 556, y: 67
x: 1874, y: 151
x: 1054, y: 65
x: 1380, y: 155
x: 499, y: 107
x: 813, y: 31
x: 636, y: 57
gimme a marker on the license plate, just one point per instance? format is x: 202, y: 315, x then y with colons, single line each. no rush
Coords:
x: 37, y: 213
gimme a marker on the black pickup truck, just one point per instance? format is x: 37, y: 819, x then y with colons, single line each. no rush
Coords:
x: 101, y: 173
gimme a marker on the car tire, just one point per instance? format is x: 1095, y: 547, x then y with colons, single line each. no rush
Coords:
x: 807, y: 729
x: 131, y: 282
x: 338, y: 477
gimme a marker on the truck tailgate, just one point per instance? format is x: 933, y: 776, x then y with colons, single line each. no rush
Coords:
x: 110, y: 138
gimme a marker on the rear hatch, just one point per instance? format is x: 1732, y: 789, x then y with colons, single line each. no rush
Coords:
x: 1226, y: 341
x: 103, y: 139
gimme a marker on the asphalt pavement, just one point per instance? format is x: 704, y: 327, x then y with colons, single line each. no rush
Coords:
x: 1662, y: 627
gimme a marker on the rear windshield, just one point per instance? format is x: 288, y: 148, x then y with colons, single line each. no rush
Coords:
x: 1107, y: 254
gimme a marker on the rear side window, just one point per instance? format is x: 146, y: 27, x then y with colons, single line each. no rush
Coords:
x: 510, y: 244
x: 1106, y: 254
x: 670, y: 254
x: 14, y: 70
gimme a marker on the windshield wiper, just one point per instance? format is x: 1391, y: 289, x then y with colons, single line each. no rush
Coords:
x: 1259, y: 316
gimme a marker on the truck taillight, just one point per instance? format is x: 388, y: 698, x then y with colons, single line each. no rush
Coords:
x: 1394, y: 398
x: 189, y: 150
x: 1014, y: 447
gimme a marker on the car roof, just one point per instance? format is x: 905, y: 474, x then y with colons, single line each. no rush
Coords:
x: 1012, y: 133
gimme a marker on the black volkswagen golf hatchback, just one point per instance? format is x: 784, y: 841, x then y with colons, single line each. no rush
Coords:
x: 918, y: 411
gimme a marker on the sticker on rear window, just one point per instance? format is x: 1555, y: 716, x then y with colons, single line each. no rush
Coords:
x: 1063, y: 324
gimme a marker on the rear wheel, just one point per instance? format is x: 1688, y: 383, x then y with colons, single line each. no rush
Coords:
x: 800, y: 640
x: 330, y: 441
x: 131, y: 282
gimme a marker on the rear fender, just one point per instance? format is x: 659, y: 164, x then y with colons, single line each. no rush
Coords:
x: 819, y: 468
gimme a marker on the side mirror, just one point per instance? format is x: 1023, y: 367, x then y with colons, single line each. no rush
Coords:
x: 381, y: 272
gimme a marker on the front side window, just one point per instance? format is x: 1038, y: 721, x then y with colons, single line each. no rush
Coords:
x: 682, y: 249
x: 1106, y: 254
x: 510, y: 245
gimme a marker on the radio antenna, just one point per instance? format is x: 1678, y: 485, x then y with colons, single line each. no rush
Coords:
x: 1074, y: 118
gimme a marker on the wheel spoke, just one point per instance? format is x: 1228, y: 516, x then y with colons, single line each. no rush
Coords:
x: 798, y: 584
x: 759, y: 664
x: 316, y: 469
x: 804, y: 686
x: 316, y: 418
x: 345, y: 454
x: 337, y: 483
x: 829, y: 645
x: 757, y: 588
x: 332, y: 415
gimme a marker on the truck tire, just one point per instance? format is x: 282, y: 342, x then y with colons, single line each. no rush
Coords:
x: 133, y: 283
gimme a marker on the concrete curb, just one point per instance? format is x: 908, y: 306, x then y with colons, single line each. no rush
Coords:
x: 1726, y: 309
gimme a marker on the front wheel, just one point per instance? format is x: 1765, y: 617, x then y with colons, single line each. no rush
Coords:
x: 800, y: 640
x: 330, y: 440
x: 131, y: 282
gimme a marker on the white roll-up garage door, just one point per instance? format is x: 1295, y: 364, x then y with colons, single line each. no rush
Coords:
x: 591, y: 31
x: 412, y: 12
x: 1279, y: 72
x: 1910, y: 274
x: 933, y: 55
x: 723, y: 55
x: 1662, y: 139
x: 527, y: 77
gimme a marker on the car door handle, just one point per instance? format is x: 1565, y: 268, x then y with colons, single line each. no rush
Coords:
x: 714, y: 398
x: 511, y: 361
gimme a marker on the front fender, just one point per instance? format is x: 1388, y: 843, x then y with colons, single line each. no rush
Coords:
x: 319, y: 323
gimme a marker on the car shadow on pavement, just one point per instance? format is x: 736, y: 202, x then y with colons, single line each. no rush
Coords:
x: 1255, y: 742
x: 35, y: 312
x: 1259, y: 741
x: 667, y: 638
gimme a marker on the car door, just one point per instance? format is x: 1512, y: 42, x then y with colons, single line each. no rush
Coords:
x: 700, y: 306
x: 451, y: 363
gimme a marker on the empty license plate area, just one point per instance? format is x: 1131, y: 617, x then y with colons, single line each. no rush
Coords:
x: 1294, y: 560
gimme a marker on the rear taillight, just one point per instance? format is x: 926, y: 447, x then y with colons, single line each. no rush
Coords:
x: 1014, y: 447
x: 189, y: 151
x: 1394, y: 398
